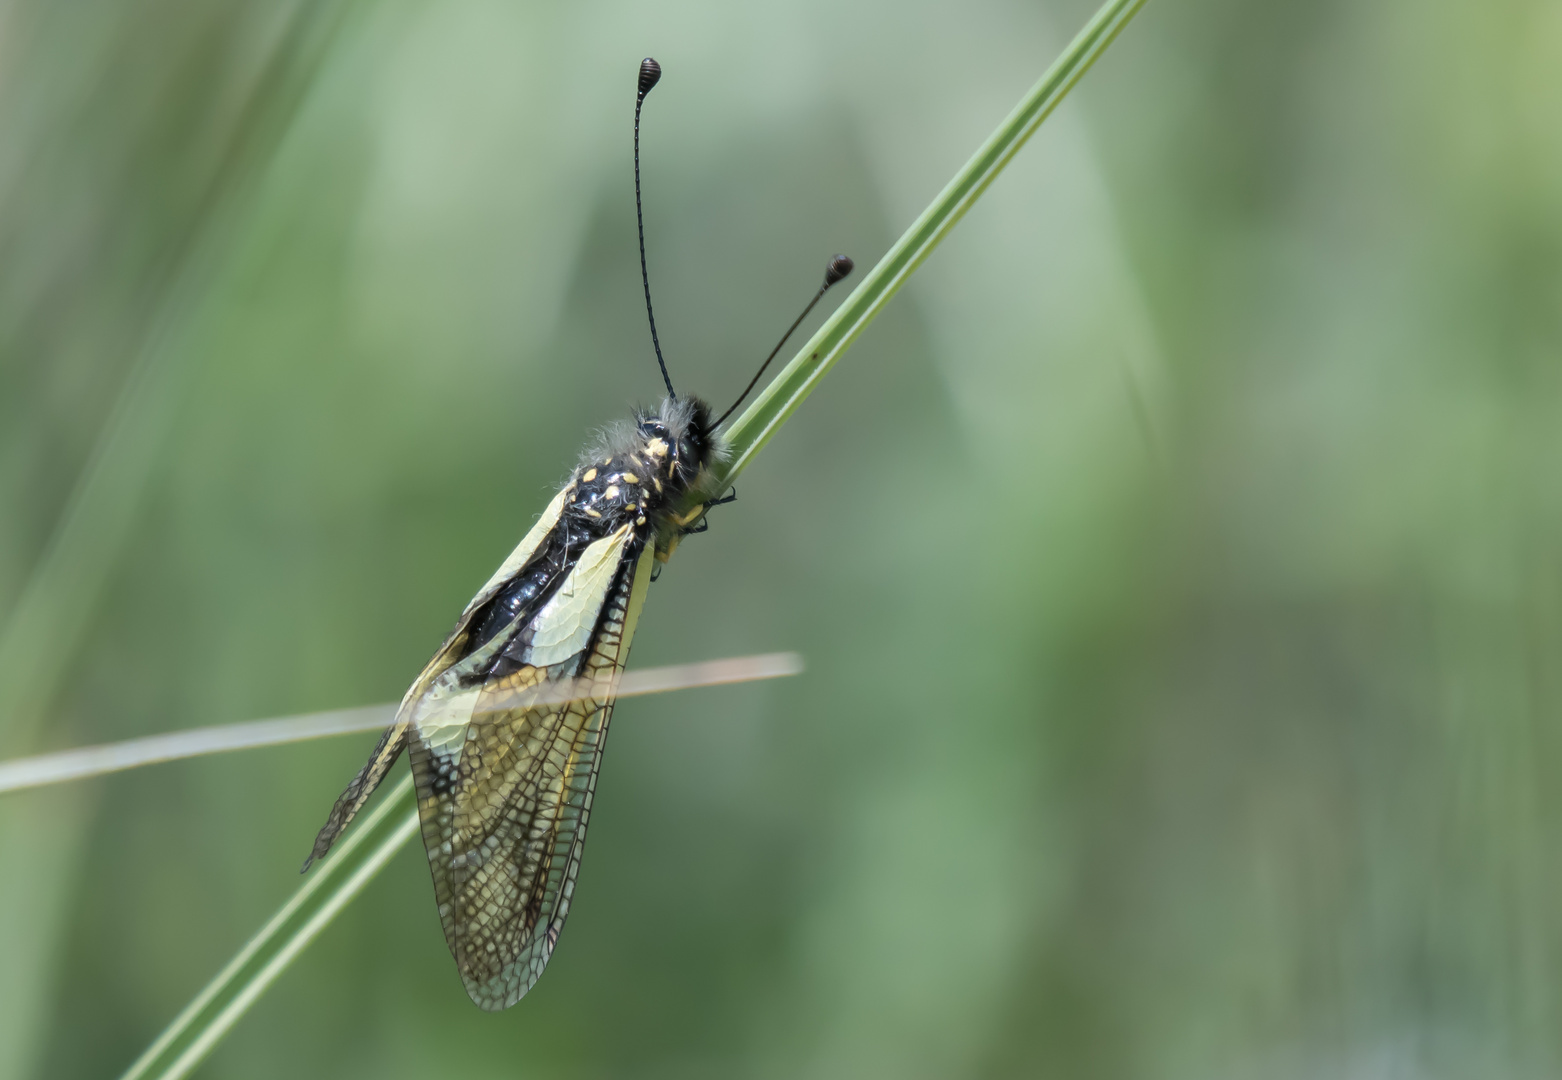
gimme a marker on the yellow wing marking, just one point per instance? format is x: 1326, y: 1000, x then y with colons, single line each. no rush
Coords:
x: 564, y: 626
x: 523, y: 552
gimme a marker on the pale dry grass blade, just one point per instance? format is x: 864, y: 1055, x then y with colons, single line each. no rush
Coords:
x: 30, y: 772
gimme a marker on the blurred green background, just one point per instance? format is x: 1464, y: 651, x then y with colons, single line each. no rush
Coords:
x: 1176, y: 561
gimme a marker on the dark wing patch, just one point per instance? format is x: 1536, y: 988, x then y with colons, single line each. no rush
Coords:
x: 504, y: 824
x: 386, y: 751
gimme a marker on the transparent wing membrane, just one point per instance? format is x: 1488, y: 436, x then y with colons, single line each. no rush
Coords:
x: 504, y: 817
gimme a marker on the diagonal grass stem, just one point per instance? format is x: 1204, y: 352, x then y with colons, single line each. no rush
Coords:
x: 193, y: 1034
x: 764, y: 417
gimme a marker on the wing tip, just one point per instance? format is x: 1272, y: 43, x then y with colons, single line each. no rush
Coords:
x: 495, y: 995
x: 499, y: 992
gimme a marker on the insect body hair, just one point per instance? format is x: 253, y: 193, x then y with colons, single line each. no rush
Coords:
x: 641, y: 471
x: 685, y: 423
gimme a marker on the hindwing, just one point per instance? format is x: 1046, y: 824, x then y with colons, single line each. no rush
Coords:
x: 505, y: 780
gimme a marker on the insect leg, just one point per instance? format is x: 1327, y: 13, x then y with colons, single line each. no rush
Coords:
x: 704, y: 524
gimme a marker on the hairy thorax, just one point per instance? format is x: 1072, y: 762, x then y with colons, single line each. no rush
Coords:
x: 636, y: 478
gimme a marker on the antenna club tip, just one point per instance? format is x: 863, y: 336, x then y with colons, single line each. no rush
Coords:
x: 836, y: 269
x: 650, y: 75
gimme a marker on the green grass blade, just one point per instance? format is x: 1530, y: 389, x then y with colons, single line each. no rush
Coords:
x: 329, y: 888
x: 750, y: 431
x: 372, y: 842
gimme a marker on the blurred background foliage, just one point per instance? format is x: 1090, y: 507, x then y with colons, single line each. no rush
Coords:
x: 1177, y: 561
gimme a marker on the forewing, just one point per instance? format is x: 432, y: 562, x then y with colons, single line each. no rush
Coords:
x: 505, y: 784
x: 390, y: 745
x: 522, y: 554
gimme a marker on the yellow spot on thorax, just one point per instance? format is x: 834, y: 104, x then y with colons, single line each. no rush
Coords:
x: 590, y: 474
x: 656, y: 448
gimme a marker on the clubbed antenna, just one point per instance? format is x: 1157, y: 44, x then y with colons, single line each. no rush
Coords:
x: 835, y: 270
x: 650, y: 75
